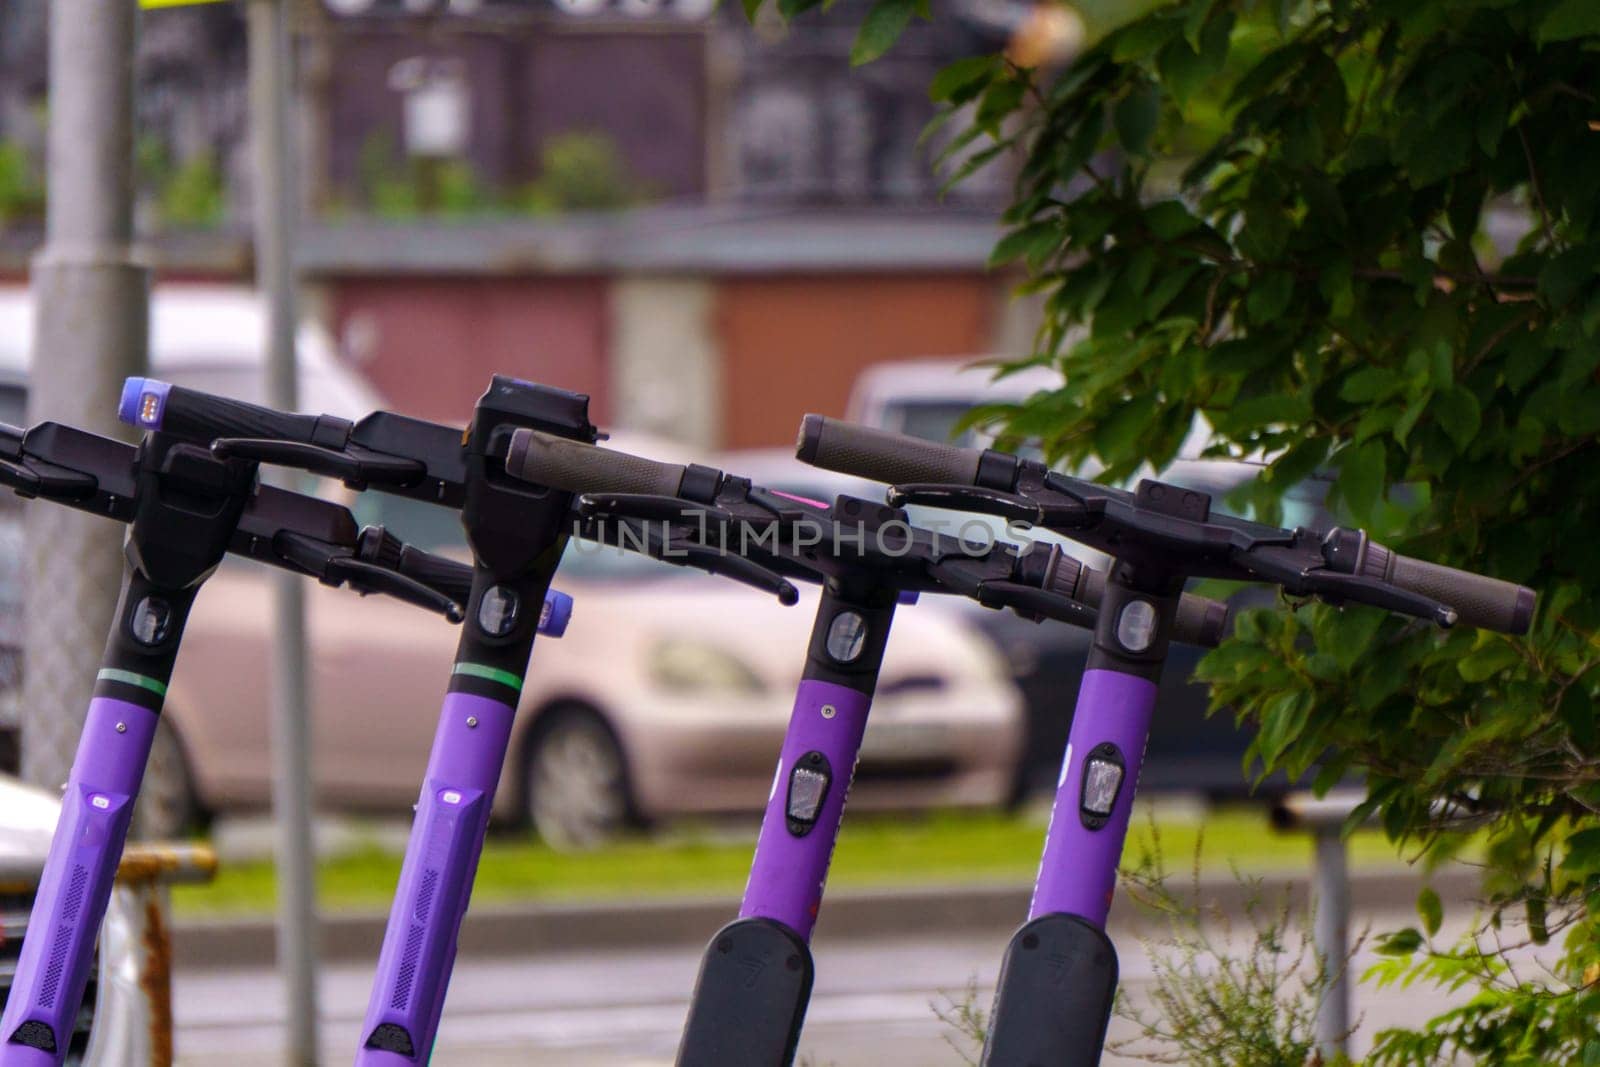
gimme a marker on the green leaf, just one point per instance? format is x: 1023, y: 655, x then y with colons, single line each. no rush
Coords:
x: 1529, y: 353
x: 973, y: 163
x: 1578, y: 413
x: 1269, y: 297
x: 1458, y: 413
x: 1583, y: 852
x: 1400, y: 943
x: 1000, y: 99
x: 1361, y: 474
x: 1565, y: 276
x: 1368, y: 384
x: 1169, y: 219
x: 963, y: 79
x: 1570, y: 19
x: 1484, y: 663
x: 1118, y: 434
x: 1085, y: 140
x: 789, y: 9
x: 1430, y: 909
x: 1135, y: 118
x: 751, y: 8
x: 1142, y: 39
x: 1538, y: 931
x: 1185, y: 70
x: 1167, y: 289
x: 1283, y: 720
x: 881, y: 28
x: 1578, y: 713
x: 1035, y: 242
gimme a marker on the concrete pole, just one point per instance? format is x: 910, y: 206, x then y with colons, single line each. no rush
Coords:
x: 274, y: 196
x: 1330, y: 934
x: 92, y: 314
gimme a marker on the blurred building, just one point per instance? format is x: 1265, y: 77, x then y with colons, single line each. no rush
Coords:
x: 465, y: 161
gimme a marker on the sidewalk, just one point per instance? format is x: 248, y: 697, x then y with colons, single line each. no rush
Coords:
x: 513, y: 930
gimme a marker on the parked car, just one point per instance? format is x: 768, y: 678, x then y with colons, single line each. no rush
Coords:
x: 668, y: 695
x: 1189, y: 751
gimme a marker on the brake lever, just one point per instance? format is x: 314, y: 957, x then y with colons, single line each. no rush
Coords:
x: 331, y: 566
x: 367, y: 577
x: 715, y: 561
x: 1031, y: 602
x: 741, y: 570
x: 1335, y: 588
x: 1013, y: 507
x: 358, y: 470
x: 33, y: 478
x: 649, y: 508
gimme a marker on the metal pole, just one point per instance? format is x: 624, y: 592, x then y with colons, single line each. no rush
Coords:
x: 92, y: 325
x: 274, y: 196
x: 1331, y: 937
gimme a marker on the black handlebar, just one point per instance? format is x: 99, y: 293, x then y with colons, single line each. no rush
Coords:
x: 156, y: 405
x: 1481, y: 601
x: 617, y: 483
x: 883, y: 456
x: 1177, y: 532
x: 562, y: 463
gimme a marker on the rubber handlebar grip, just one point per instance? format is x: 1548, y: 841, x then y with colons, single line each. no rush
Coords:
x: 575, y: 467
x: 883, y: 456
x: 440, y: 573
x: 1488, y: 603
x: 156, y: 405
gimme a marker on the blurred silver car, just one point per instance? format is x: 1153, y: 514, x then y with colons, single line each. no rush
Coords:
x: 667, y: 696
x: 113, y: 1026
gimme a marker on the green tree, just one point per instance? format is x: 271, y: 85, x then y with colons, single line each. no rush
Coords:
x: 1356, y: 236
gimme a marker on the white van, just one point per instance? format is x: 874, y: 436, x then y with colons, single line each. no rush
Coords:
x: 206, y: 336
x: 927, y: 398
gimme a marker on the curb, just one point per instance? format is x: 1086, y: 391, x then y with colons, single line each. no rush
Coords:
x: 508, y: 930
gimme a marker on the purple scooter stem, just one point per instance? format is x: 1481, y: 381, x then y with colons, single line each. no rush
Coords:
x: 788, y: 873
x: 76, y: 884
x: 419, y: 947
x: 1078, y: 873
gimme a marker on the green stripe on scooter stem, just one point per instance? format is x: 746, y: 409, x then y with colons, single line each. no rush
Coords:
x: 111, y: 674
x: 494, y: 674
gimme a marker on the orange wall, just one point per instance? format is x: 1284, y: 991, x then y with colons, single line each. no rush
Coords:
x: 794, y: 344
x: 436, y: 341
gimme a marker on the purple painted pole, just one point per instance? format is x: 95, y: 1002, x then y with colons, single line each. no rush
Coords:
x: 1078, y: 873
x: 77, y: 879
x: 419, y: 946
x: 788, y: 873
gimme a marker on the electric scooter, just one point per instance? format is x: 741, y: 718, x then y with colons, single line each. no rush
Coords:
x: 184, y: 509
x: 1059, y: 975
x: 517, y: 534
x: 756, y: 975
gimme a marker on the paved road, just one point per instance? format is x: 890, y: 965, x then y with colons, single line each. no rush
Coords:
x: 873, y: 1006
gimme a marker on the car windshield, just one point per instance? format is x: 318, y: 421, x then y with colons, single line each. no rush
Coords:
x: 437, y: 529
x: 937, y: 419
x: 934, y: 420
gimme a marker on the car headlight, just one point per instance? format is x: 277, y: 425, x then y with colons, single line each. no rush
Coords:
x: 688, y: 665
